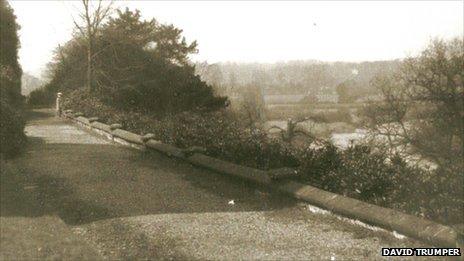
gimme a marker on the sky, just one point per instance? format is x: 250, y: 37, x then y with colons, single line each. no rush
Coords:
x: 262, y: 31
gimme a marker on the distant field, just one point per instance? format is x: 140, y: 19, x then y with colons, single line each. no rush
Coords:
x: 329, y: 110
x: 283, y: 99
x: 320, y: 130
x: 328, y: 119
x: 315, y: 106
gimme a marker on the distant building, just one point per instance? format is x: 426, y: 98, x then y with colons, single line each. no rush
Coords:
x: 283, y: 98
x: 370, y: 98
x: 327, y: 97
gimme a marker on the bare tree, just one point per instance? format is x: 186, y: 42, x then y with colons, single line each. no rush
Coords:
x: 253, y: 105
x: 92, y: 17
x: 423, y: 108
x: 292, y: 130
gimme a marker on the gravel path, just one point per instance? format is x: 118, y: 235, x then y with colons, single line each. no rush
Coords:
x: 128, y: 204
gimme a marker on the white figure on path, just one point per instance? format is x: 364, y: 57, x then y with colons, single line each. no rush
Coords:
x: 58, y: 108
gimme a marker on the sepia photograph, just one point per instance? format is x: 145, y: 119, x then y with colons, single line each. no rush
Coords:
x: 231, y: 130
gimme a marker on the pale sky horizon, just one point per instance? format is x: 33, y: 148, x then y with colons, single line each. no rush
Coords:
x: 263, y: 31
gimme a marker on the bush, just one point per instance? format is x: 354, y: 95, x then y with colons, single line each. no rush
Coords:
x: 220, y: 132
x: 359, y: 172
x: 11, y: 100
x: 130, y: 75
x: 11, y: 130
x: 224, y: 137
x: 41, y: 98
x: 369, y: 175
x: 437, y: 194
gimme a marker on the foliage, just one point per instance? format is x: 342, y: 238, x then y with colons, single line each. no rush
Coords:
x: 436, y: 194
x: 144, y: 82
x: 372, y: 176
x: 360, y: 171
x: 10, y: 71
x: 220, y: 132
x: 139, y: 66
x: 40, y: 97
x: 424, y: 103
x: 422, y: 117
x: 11, y: 123
x: 224, y: 137
x: 11, y: 129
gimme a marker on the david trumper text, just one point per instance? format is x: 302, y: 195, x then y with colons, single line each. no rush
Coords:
x: 421, y: 252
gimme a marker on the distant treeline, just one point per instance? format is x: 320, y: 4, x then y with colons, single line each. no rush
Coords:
x: 295, y: 77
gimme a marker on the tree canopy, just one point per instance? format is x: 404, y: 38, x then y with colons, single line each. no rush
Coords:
x: 139, y: 65
x: 10, y: 70
x: 425, y: 99
x: 11, y: 124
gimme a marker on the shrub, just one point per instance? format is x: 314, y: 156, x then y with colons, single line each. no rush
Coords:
x: 220, y: 132
x: 224, y: 137
x: 11, y: 100
x: 41, y: 97
x: 132, y: 75
x: 11, y: 130
x: 372, y: 176
x: 355, y: 172
x: 437, y: 194
x: 359, y: 171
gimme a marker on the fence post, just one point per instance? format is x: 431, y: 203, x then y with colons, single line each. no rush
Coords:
x: 58, y: 107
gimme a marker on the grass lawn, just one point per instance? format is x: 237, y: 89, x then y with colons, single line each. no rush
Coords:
x: 28, y: 227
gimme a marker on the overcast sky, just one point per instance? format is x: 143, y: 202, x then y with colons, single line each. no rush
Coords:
x: 263, y: 31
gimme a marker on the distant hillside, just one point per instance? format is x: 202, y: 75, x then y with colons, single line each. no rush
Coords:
x: 294, y: 77
x: 29, y: 83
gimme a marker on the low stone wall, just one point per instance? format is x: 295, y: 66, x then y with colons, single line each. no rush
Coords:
x: 412, y: 226
x: 167, y: 149
x: 255, y: 175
